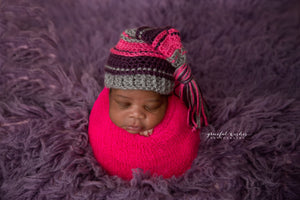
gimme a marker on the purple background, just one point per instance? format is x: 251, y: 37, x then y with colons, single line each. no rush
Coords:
x: 244, y: 54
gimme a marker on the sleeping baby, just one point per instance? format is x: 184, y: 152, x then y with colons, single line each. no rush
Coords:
x: 149, y: 114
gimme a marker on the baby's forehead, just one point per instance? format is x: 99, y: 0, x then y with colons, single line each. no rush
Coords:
x: 132, y: 94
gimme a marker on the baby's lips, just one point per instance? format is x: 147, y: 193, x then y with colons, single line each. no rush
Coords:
x: 134, y: 128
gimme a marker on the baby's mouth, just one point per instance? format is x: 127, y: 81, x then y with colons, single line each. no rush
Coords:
x: 134, y: 129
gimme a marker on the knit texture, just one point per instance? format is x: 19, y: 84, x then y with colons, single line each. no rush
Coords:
x: 169, y: 151
x: 137, y: 63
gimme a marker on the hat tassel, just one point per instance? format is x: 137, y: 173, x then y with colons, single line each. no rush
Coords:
x: 189, y: 91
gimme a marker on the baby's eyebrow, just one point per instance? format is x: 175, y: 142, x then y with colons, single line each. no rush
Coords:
x: 118, y: 95
x: 154, y: 100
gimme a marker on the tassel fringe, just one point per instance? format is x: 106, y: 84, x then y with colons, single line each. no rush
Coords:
x: 189, y: 91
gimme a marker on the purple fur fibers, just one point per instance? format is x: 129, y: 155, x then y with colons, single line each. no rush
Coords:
x: 244, y: 55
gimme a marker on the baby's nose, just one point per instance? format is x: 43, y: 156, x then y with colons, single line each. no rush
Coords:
x: 137, y: 113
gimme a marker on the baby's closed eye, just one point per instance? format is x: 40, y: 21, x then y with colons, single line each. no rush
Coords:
x: 152, y: 107
x: 123, y: 104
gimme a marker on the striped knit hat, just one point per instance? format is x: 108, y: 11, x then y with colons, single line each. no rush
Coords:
x: 154, y: 59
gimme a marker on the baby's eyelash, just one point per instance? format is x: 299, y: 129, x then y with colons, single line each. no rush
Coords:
x: 151, y: 108
x: 123, y: 104
x: 147, y: 108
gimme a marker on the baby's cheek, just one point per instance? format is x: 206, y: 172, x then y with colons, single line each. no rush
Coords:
x: 114, y: 116
x: 154, y: 120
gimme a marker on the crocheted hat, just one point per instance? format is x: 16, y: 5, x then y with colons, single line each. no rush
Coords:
x: 154, y: 59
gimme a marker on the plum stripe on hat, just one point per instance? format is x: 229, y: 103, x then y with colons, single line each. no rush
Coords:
x: 154, y: 59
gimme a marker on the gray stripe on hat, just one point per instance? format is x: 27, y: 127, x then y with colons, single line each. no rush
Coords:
x: 131, y: 32
x: 139, y: 82
x: 180, y: 59
x: 139, y: 69
x: 131, y: 40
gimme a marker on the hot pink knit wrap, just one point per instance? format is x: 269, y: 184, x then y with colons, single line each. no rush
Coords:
x: 169, y: 151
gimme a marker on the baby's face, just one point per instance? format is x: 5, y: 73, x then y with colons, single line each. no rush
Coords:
x: 136, y: 111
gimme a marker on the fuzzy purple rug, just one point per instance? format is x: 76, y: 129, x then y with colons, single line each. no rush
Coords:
x: 245, y: 55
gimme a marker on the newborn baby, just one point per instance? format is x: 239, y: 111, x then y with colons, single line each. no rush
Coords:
x: 149, y: 114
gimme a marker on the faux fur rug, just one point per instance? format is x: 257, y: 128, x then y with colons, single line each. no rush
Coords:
x: 245, y: 55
